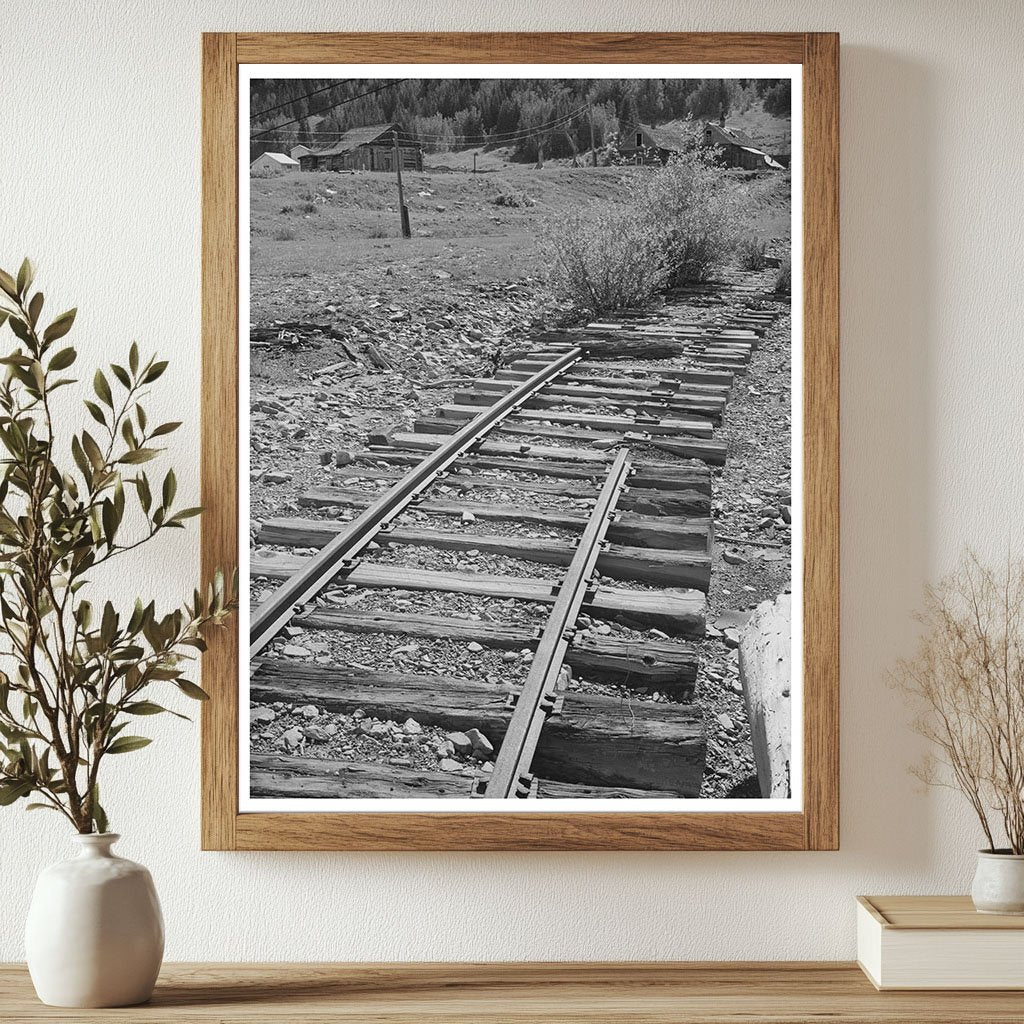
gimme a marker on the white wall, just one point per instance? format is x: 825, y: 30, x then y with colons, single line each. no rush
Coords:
x: 100, y: 130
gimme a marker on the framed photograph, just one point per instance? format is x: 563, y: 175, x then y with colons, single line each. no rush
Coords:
x: 520, y: 420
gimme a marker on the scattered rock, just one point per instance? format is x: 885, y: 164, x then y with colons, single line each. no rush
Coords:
x: 482, y: 746
x: 261, y: 716
x: 411, y: 727
x: 733, y: 558
x: 461, y: 742
x: 295, y: 651
x: 448, y: 764
x: 309, y: 711
x: 293, y: 738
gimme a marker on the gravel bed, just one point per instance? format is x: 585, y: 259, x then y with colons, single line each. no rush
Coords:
x: 472, y: 561
x: 314, y: 732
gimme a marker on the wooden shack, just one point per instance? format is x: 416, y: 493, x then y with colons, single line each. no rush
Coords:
x: 367, y: 148
x: 737, y: 149
x: 655, y: 144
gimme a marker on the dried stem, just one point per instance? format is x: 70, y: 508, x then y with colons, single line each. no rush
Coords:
x: 967, y: 682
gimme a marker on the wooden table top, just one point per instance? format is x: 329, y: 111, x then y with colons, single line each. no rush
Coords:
x: 658, y: 993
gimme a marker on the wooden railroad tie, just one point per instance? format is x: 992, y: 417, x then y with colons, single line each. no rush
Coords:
x: 689, y: 568
x: 674, y: 611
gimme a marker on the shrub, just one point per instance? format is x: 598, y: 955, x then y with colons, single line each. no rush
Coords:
x: 696, y: 205
x: 604, y: 258
x: 679, y: 226
x: 782, y: 281
x: 752, y: 253
x: 285, y: 234
x: 514, y: 198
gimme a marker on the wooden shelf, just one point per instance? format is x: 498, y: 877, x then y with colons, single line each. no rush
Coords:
x: 786, y: 993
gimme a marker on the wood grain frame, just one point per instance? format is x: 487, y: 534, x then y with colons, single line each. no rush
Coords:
x: 817, y: 826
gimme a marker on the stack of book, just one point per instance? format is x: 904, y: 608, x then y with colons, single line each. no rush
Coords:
x: 938, y: 942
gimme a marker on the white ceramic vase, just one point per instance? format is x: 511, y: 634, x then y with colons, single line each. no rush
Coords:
x: 999, y: 883
x: 95, y: 934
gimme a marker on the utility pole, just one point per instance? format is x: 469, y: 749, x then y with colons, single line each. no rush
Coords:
x: 593, y: 148
x: 474, y: 163
x: 403, y: 210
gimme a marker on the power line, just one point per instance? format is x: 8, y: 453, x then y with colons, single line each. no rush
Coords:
x: 299, y: 99
x: 500, y: 137
x: 333, y: 106
x: 465, y: 140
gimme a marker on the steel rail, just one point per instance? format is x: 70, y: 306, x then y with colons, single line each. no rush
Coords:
x: 540, y: 697
x: 279, y: 607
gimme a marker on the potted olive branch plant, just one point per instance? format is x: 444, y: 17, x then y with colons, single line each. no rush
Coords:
x: 81, y: 671
x: 966, y: 681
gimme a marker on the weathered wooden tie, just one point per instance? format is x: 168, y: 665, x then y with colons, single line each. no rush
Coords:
x: 676, y: 612
x: 661, y: 665
x: 596, y: 740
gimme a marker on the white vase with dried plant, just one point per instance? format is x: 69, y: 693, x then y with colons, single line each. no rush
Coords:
x: 966, y: 681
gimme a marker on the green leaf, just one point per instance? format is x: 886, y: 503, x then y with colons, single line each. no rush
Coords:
x: 133, y: 358
x: 35, y: 307
x: 99, y: 816
x: 84, y: 614
x: 26, y: 275
x: 108, y: 624
x: 128, y: 433
x: 20, y: 329
x: 14, y: 790
x: 60, y: 326
x: 145, y: 497
x: 143, y: 707
x: 7, y: 283
x: 138, y: 455
x: 154, y: 372
x: 121, y: 374
x: 191, y: 690
x: 126, y: 744
x: 170, y: 488
x: 165, y: 428
x: 186, y: 513
x: 40, y: 807
x: 109, y: 519
x: 92, y: 449
x: 102, y: 388
x: 148, y: 707
x: 63, y: 359
x: 95, y: 412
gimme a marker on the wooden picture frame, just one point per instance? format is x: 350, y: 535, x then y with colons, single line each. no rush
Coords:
x: 816, y: 827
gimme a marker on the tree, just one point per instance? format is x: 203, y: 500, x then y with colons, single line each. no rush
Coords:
x: 778, y: 99
x: 536, y: 115
x: 711, y: 99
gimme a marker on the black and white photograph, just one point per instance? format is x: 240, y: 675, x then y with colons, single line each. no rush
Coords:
x: 520, y: 478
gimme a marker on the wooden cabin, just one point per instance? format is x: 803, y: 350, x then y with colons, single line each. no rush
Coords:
x: 655, y: 144
x: 737, y: 149
x: 367, y: 148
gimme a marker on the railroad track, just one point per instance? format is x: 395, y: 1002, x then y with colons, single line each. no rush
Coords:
x: 631, y: 449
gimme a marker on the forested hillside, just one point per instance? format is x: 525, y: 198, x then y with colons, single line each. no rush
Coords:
x: 446, y: 114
